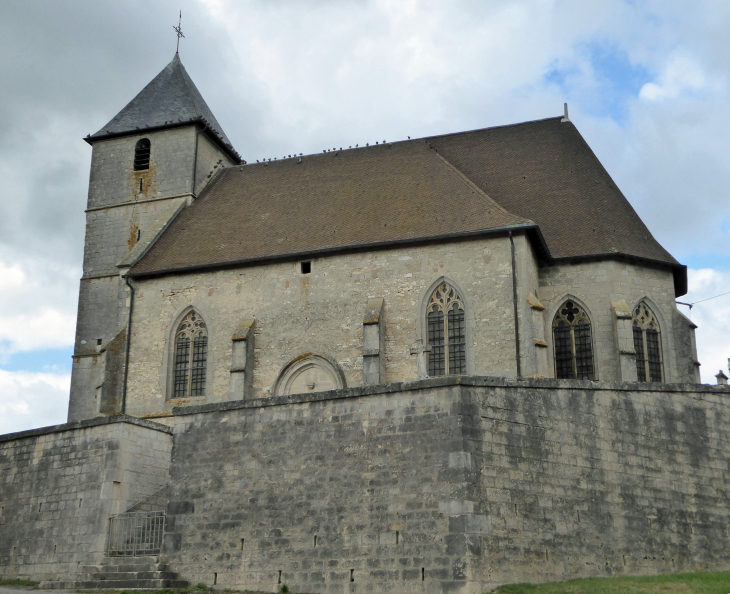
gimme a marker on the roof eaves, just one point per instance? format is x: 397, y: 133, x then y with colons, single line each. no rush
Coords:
x: 679, y: 271
x: 525, y: 227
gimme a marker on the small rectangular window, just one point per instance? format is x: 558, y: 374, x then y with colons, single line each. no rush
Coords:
x: 306, y: 267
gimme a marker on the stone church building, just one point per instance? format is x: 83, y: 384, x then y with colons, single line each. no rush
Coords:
x: 505, y: 252
x: 431, y: 365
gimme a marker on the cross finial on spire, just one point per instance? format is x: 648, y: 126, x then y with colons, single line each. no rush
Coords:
x: 179, y: 32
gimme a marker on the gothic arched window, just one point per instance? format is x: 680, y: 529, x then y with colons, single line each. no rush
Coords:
x: 446, y: 332
x: 142, y: 155
x: 191, y: 357
x: 573, y: 343
x: 647, y: 344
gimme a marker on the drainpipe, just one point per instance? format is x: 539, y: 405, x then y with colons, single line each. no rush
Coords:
x: 514, y: 303
x: 195, y: 161
x: 129, y: 339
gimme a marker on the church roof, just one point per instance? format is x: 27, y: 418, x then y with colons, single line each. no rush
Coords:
x: 540, y: 175
x: 546, y: 171
x: 391, y: 193
x: 171, y: 99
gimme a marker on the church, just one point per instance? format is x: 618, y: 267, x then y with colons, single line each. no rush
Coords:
x: 426, y: 365
x: 506, y: 252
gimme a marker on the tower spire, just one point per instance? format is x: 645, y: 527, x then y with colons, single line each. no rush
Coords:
x: 179, y: 32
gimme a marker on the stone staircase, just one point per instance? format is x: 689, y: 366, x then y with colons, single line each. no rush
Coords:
x: 125, y: 573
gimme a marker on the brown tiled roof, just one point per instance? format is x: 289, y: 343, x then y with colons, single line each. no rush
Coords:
x: 362, y: 197
x: 540, y: 171
x: 545, y: 171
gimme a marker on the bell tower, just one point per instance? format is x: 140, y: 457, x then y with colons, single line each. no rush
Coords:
x: 148, y: 163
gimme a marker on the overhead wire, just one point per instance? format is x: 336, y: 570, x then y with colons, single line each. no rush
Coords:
x: 691, y: 305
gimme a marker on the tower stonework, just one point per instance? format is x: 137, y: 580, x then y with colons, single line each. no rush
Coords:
x: 128, y: 207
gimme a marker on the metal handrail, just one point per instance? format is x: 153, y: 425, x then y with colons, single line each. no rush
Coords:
x: 136, y: 534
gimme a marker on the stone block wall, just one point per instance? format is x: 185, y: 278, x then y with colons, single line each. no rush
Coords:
x: 59, y: 485
x: 322, y: 312
x: 325, y: 495
x: 127, y: 209
x: 600, y: 479
x: 450, y: 485
x: 113, y: 180
x: 111, y: 233
x: 209, y: 161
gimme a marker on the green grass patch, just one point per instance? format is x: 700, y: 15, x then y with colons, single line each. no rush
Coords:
x: 678, y: 583
x: 18, y: 583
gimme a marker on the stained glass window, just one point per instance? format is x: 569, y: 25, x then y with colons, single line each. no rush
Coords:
x: 648, y: 345
x: 573, y: 343
x: 191, y: 357
x: 446, y: 332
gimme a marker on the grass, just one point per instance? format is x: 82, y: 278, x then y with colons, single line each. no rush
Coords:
x: 18, y: 583
x: 678, y: 583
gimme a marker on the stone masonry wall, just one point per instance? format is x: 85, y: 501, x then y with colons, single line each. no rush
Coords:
x: 600, y: 479
x: 450, y: 485
x: 112, y: 233
x: 210, y: 159
x: 351, y: 494
x: 59, y: 485
x: 113, y: 180
x: 126, y: 209
x: 322, y: 312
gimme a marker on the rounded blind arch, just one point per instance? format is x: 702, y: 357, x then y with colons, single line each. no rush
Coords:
x: 573, y: 342
x: 446, y: 331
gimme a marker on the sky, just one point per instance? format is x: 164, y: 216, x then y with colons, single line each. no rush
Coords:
x: 647, y: 83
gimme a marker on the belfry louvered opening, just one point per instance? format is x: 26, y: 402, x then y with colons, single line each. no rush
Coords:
x: 142, y: 154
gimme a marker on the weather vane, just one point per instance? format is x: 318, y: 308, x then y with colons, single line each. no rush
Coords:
x: 179, y: 32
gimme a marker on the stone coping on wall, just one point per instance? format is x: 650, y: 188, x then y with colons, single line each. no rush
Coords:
x: 445, y: 382
x: 86, y: 424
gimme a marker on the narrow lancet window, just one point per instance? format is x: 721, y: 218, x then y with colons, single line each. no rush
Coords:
x: 648, y: 345
x: 446, y: 332
x: 191, y: 357
x: 142, y: 155
x: 573, y: 343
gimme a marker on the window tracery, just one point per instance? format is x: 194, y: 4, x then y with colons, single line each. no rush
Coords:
x: 142, y: 154
x: 573, y: 343
x: 446, y: 325
x: 191, y: 357
x: 647, y: 344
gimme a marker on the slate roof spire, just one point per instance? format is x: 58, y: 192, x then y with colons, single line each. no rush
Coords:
x: 170, y: 100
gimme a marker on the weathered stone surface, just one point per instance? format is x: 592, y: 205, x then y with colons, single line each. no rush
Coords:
x: 126, y: 211
x: 59, y: 485
x: 469, y: 482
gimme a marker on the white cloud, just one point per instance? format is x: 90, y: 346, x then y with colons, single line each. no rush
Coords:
x: 31, y: 400
x: 44, y: 328
x: 681, y: 75
x: 37, y: 304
